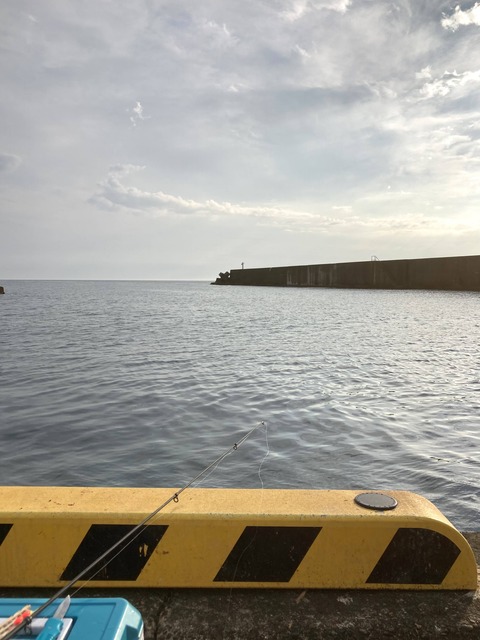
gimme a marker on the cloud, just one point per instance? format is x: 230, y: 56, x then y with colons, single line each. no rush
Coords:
x: 8, y: 162
x: 218, y: 34
x: 388, y: 196
x: 460, y: 18
x: 425, y: 73
x: 113, y: 194
x: 136, y: 114
x: 450, y: 81
x: 298, y: 8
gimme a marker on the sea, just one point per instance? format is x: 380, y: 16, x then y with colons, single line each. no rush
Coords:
x: 146, y: 384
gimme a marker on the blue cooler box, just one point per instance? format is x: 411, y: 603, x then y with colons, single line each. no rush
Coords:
x: 86, y: 618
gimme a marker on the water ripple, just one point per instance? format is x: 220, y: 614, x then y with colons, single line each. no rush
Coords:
x: 145, y: 383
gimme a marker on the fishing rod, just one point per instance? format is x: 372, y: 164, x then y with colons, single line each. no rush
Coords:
x: 130, y: 535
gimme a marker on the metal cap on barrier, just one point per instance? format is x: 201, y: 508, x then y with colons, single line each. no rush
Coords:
x: 376, y: 501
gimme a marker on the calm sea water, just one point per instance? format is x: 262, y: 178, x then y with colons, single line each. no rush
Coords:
x: 146, y: 383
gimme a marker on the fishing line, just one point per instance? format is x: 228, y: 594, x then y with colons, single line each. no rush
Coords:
x: 212, y: 468
x: 129, y: 537
x: 229, y: 617
x: 264, y: 457
x: 208, y: 475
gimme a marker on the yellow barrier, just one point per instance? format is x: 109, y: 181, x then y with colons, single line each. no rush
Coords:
x: 230, y: 538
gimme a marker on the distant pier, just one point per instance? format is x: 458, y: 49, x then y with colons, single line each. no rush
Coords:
x: 461, y: 273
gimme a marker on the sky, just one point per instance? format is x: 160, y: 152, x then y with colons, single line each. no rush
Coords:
x: 154, y: 139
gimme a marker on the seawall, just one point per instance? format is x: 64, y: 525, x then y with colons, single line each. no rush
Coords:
x: 461, y: 273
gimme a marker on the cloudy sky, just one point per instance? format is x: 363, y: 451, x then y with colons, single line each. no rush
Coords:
x: 155, y: 139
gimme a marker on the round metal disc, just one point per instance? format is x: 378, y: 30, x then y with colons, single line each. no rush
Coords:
x: 376, y: 501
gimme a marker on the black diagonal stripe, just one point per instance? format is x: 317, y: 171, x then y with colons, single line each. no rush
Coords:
x: 127, y: 565
x: 415, y: 556
x: 4, y: 529
x: 267, y: 554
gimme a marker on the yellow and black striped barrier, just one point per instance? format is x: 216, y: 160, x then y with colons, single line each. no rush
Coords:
x: 230, y: 538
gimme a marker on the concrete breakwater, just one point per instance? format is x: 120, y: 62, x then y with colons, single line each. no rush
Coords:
x: 461, y: 273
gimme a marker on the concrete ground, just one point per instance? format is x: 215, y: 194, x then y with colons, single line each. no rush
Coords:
x: 234, y: 614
